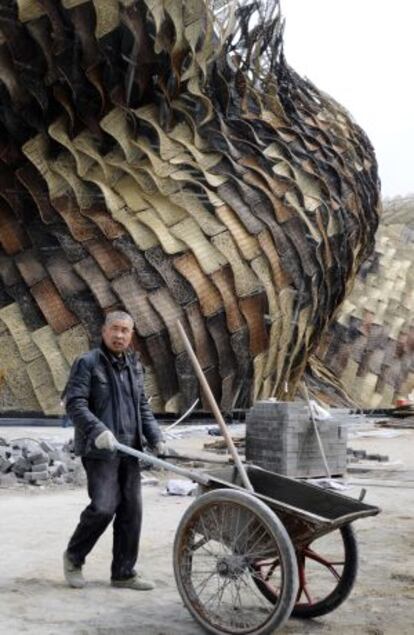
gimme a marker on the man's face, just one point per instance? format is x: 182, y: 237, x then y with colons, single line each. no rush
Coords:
x: 117, y: 335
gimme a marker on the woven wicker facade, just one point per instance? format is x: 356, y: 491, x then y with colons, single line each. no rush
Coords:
x: 370, y: 347
x: 162, y: 157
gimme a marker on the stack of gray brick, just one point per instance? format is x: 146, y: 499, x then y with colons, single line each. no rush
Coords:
x: 38, y: 462
x: 280, y: 437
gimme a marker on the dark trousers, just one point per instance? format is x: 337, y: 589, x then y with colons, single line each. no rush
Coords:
x: 114, y: 487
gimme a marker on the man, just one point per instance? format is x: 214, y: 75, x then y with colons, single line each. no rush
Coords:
x: 105, y: 400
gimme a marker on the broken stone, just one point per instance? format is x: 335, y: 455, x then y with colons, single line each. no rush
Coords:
x: 36, y: 457
x: 8, y: 480
x: 5, y: 464
x: 36, y: 476
x: 57, y: 469
x: 40, y: 467
x: 46, y: 446
x: 21, y: 465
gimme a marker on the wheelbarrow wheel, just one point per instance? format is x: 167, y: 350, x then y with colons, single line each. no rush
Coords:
x: 327, y: 571
x: 219, y: 539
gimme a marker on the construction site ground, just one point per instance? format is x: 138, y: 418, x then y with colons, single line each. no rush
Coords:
x: 35, y: 524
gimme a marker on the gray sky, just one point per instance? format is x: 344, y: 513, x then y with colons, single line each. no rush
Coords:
x: 362, y: 53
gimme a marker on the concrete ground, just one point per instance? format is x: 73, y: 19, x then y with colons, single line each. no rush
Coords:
x: 35, y: 525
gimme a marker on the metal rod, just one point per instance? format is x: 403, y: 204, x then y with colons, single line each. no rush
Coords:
x: 199, y: 477
x: 189, y: 411
x: 315, y: 427
x: 214, y: 407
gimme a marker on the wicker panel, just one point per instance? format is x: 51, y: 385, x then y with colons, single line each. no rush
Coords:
x: 247, y: 244
x: 262, y: 270
x: 170, y: 313
x: 144, y: 237
x: 216, y: 324
x: 52, y: 306
x: 259, y: 365
x: 214, y: 381
x: 34, y: 183
x: 9, y: 273
x: 168, y: 241
x: 244, y: 377
x: 224, y: 281
x: 31, y: 313
x: 228, y: 192
x: 62, y: 273
x: 15, y: 373
x: 169, y: 213
x: 12, y: 235
x: 187, y: 381
x: 275, y: 334
x: 89, y: 271
x: 112, y: 262
x: 203, y: 344
x: 89, y: 314
x: 30, y: 267
x: 159, y: 350
x: 209, y: 225
x: 73, y: 250
x: 13, y: 319
x: 227, y: 393
x: 209, y: 258
x: 73, y: 342
x: 253, y: 310
x: 136, y: 301
x: 100, y: 217
x: 298, y: 236
x: 80, y: 227
x: 207, y: 294
x: 280, y: 278
x: 43, y: 386
x: 245, y: 280
x: 9, y: 191
x: 271, y: 188
x: 47, y: 343
x: 177, y: 284
x: 148, y: 277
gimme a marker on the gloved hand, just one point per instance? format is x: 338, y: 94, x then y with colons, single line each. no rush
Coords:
x: 105, y: 441
x: 160, y: 448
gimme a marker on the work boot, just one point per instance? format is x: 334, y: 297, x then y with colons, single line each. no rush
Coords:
x: 136, y: 582
x: 73, y: 573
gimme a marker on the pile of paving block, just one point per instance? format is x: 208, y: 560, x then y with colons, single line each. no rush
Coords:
x: 38, y: 462
x: 280, y: 437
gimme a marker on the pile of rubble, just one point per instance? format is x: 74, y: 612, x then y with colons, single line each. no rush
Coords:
x: 353, y: 456
x: 38, y: 462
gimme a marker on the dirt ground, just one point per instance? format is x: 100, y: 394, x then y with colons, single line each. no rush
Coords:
x: 35, y: 525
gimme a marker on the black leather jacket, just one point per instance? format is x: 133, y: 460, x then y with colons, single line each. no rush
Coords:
x: 91, y: 403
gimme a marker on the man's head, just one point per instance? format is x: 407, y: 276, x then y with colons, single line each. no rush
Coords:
x: 117, y: 331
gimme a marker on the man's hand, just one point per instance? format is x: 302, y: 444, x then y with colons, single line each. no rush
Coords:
x: 105, y: 441
x: 161, y: 448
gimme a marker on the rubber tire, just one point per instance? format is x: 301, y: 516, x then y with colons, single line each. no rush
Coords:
x: 342, y: 589
x: 284, y: 544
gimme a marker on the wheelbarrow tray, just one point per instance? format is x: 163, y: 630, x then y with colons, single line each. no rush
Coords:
x: 307, y: 511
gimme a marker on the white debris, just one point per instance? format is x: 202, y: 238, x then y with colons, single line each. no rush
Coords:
x: 179, y: 487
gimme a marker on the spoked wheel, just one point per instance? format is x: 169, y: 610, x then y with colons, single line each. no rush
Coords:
x: 220, y: 538
x: 327, y: 571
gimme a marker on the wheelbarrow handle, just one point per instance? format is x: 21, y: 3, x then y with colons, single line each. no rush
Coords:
x: 193, y: 475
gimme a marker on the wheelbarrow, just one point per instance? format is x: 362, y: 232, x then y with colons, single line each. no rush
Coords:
x: 245, y: 561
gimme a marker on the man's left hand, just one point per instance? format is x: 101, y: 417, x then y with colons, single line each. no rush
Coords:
x: 160, y: 448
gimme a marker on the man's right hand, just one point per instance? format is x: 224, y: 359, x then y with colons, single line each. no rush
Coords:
x: 105, y: 441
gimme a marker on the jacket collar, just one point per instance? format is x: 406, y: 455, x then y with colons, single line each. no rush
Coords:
x: 128, y: 356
